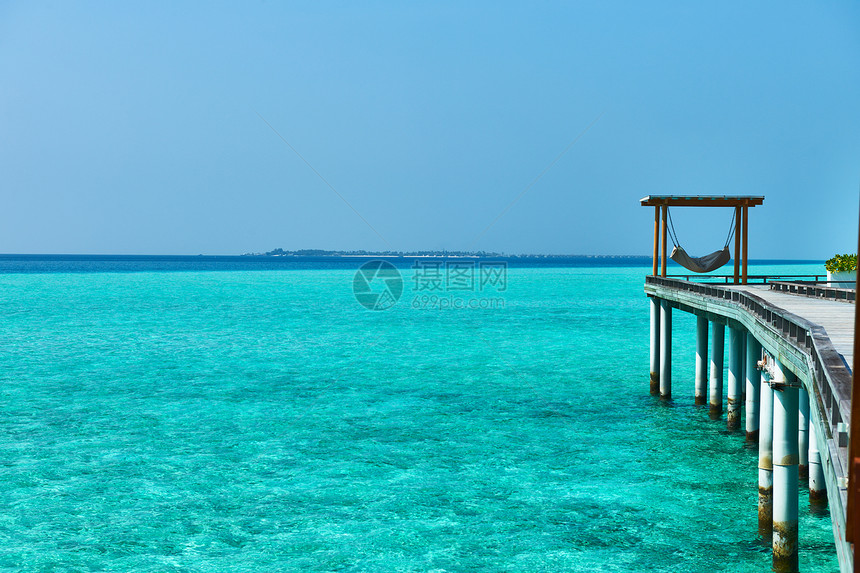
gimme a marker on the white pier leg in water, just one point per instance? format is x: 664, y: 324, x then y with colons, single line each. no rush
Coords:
x: 785, y: 477
x: 736, y: 366
x: 718, y: 334
x: 655, y: 345
x: 701, y: 360
x: 665, y: 349
x: 753, y: 384
x: 765, y: 459
x: 817, y: 488
x: 743, y: 365
x: 803, y: 433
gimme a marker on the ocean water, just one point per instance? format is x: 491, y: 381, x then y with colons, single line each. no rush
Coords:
x: 263, y: 420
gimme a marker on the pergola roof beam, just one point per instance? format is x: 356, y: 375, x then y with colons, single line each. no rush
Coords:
x: 702, y: 201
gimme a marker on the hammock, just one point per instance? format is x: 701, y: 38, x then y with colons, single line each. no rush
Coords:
x: 704, y: 264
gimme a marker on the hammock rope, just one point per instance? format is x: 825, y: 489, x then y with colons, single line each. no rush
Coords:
x: 704, y: 264
x: 673, y: 236
x: 731, y: 230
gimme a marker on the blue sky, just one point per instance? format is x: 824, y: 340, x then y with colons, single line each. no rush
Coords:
x: 134, y: 127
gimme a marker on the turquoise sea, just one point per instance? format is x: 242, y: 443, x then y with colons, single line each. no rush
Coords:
x: 263, y: 420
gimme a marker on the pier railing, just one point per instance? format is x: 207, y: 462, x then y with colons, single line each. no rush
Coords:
x: 814, y: 286
x: 828, y: 371
x: 815, y: 289
x: 751, y: 279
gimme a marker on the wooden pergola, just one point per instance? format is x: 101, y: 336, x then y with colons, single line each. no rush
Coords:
x: 741, y: 203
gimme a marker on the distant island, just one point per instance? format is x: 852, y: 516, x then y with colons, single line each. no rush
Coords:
x: 466, y: 254
x: 326, y: 253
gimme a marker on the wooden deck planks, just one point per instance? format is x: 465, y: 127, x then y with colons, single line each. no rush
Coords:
x: 837, y: 318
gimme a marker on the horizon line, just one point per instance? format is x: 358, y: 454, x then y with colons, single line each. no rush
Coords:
x: 345, y: 254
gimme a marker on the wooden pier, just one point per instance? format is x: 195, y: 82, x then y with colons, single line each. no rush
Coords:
x: 810, y: 343
x: 791, y: 343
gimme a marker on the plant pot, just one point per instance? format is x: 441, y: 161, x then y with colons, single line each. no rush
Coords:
x: 842, y: 279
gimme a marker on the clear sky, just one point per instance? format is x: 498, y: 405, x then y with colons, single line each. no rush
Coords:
x: 135, y: 127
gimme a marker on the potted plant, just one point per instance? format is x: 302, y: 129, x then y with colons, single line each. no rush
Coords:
x: 842, y: 271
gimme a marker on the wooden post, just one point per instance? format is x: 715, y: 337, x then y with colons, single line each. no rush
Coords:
x: 663, y: 225
x: 656, y: 235
x: 737, y: 243
x: 852, y: 515
x: 745, y: 242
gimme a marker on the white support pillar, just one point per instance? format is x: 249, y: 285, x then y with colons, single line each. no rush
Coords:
x: 665, y: 349
x: 803, y: 433
x: 733, y: 414
x: 655, y: 345
x: 785, y: 477
x: 753, y: 384
x: 718, y: 334
x: 765, y: 459
x: 701, y: 360
x: 817, y: 487
x: 743, y: 366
